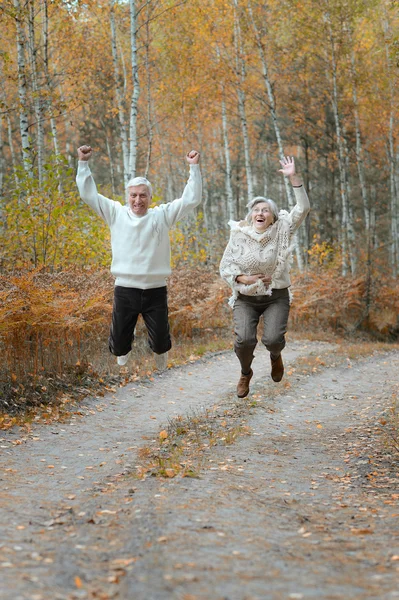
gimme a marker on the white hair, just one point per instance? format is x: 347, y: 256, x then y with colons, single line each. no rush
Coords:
x: 138, y: 181
x: 252, y: 203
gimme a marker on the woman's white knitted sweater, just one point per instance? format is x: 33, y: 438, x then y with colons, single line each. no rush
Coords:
x: 250, y: 253
x: 140, y: 245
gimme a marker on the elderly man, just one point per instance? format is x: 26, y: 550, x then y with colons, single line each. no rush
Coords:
x: 140, y: 254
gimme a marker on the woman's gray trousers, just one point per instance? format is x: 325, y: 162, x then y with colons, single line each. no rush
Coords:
x: 247, y: 312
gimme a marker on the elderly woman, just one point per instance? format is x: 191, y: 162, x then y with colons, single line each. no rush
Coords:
x: 256, y: 264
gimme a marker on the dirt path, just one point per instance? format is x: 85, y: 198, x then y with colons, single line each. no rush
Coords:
x: 306, y: 506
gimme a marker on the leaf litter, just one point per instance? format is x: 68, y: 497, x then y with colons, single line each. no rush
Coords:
x: 287, y: 504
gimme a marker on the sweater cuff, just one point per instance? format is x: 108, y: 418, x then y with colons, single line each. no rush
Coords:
x: 83, y: 164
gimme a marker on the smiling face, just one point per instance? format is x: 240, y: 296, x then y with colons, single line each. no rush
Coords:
x: 262, y: 216
x: 139, y: 199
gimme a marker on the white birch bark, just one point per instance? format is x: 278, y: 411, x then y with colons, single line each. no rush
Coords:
x: 348, y: 242
x: 36, y: 91
x: 241, y: 76
x: 12, y: 151
x: 226, y: 145
x: 206, y: 207
x: 359, y: 143
x: 150, y: 132
x: 8, y: 133
x: 394, y: 192
x: 23, y: 90
x: 2, y: 162
x: 111, y: 161
x: 136, y: 91
x: 298, y: 241
x: 120, y: 93
x: 394, y: 248
x: 271, y: 98
x: 265, y: 170
x: 350, y: 229
x: 46, y: 42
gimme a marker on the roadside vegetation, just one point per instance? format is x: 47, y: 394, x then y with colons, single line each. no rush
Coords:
x: 54, y: 328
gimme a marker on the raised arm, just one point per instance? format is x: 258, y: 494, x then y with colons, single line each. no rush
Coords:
x: 85, y: 153
x: 288, y: 170
x: 302, y: 207
x: 192, y: 193
x: 103, y: 206
x: 193, y: 157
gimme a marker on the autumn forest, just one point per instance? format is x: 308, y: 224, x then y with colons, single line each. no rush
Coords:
x: 243, y: 81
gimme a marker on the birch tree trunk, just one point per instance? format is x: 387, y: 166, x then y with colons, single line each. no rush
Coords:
x: 347, y: 233
x: 12, y: 151
x: 36, y: 92
x: 9, y: 134
x: 359, y: 144
x: 23, y: 90
x: 119, y: 92
x: 136, y: 91
x: 350, y: 229
x: 226, y: 145
x: 53, y: 125
x: 272, y: 101
x: 111, y: 161
x: 2, y: 162
x: 241, y: 76
x: 299, y: 241
x: 265, y: 171
x: 150, y: 132
x: 394, y: 193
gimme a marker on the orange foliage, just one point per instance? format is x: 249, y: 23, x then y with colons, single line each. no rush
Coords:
x: 54, y: 326
x: 43, y: 317
x: 325, y: 301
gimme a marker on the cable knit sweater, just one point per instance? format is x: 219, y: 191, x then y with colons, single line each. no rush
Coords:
x: 140, y: 245
x: 250, y: 253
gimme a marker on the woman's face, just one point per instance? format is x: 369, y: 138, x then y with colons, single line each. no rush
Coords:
x: 262, y: 216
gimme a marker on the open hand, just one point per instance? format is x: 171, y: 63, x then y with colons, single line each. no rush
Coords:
x: 85, y: 152
x: 288, y: 166
x: 193, y: 157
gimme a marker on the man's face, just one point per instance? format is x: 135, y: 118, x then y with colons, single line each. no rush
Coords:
x: 139, y: 199
x: 262, y: 216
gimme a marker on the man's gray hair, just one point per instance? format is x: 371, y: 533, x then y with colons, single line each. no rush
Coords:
x: 139, y: 181
x: 257, y: 200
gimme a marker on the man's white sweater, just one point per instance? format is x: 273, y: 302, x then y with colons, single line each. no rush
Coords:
x: 140, y: 245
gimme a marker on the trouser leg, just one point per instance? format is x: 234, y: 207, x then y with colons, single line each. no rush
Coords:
x: 275, y: 318
x: 246, y: 318
x: 155, y: 315
x: 126, y: 310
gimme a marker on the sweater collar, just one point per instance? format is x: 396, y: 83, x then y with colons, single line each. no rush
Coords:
x: 251, y: 232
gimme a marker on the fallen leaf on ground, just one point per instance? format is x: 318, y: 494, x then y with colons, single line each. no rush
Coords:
x: 361, y: 531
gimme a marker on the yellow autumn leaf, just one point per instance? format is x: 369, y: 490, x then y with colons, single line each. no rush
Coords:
x: 163, y: 435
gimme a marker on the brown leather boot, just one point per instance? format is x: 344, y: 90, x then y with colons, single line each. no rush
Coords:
x: 243, y: 384
x: 277, y: 369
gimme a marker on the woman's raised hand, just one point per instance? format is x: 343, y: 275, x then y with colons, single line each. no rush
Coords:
x: 288, y: 166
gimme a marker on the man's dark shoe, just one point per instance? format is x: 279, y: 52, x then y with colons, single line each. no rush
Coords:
x: 277, y: 369
x: 243, y: 384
